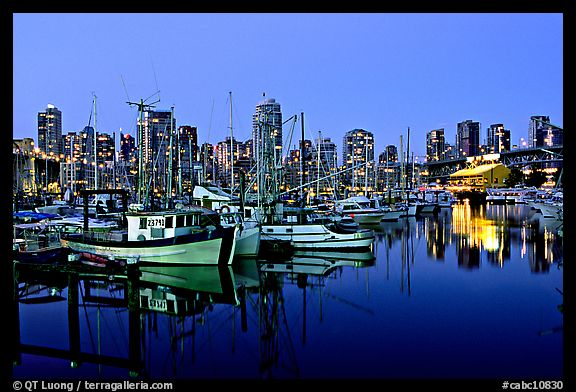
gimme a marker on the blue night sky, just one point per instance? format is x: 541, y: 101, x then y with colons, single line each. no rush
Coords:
x: 380, y: 72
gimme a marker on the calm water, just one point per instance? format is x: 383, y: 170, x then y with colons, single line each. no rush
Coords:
x: 472, y: 293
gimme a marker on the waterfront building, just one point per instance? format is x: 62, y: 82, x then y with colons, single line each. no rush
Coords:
x: 497, y: 139
x: 358, y: 149
x: 128, y: 151
x: 158, y: 128
x: 468, y: 138
x: 208, y: 161
x: 391, y: 153
x: 188, y: 154
x: 535, y: 130
x: 50, y: 131
x: 481, y: 177
x: 450, y: 151
x: 225, y: 159
x: 267, y: 130
x: 105, y: 148
x: 435, y: 145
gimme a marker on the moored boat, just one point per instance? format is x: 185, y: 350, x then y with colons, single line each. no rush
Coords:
x: 169, y: 236
x: 359, y: 208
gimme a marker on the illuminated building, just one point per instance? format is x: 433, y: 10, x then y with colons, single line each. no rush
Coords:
x: 497, y: 139
x: 50, y: 131
x: 435, y: 145
x: 468, y: 138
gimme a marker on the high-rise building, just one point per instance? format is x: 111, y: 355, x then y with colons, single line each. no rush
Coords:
x: 358, y: 149
x: 267, y: 129
x: 225, y: 160
x: 157, y: 127
x: 468, y: 138
x: 497, y: 139
x: 187, y: 147
x: 105, y: 148
x: 435, y: 145
x: 73, y: 146
x: 50, y: 131
x: 543, y: 134
x: 391, y: 153
x: 537, y: 124
x: 127, y: 148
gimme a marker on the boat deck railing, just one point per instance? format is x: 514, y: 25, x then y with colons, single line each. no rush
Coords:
x: 110, y: 236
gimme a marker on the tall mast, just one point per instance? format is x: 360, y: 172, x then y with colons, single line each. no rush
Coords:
x: 408, y: 157
x: 302, y: 155
x: 402, y: 180
x: 318, y: 164
x: 179, y: 164
x: 353, y: 164
x: 141, y: 172
x: 95, y: 148
x: 231, y: 149
x: 170, y: 158
x: 366, y: 168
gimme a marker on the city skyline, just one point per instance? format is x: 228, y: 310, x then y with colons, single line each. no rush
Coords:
x: 378, y: 72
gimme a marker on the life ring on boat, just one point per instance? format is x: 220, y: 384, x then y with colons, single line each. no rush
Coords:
x: 224, y: 209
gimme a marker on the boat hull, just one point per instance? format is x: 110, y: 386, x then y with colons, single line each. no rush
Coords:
x: 205, y: 251
x: 318, y: 237
x: 248, y: 242
x: 391, y: 216
x: 368, y: 218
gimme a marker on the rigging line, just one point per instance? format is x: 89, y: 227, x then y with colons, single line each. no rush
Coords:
x: 125, y: 89
x: 155, y: 80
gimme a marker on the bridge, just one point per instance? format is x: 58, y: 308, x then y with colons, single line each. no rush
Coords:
x: 516, y: 158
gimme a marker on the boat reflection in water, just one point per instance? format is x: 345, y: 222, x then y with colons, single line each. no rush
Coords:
x: 432, y: 290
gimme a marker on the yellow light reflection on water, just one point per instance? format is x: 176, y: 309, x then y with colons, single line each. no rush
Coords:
x: 472, y: 225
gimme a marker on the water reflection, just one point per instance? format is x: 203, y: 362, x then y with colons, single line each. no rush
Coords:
x: 307, y: 316
x: 478, y: 233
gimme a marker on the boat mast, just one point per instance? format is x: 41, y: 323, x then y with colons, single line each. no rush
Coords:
x: 170, y: 159
x: 95, y: 147
x: 318, y: 165
x: 366, y: 169
x: 231, y: 149
x: 302, y: 155
x: 140, y: 142
x: 353, y: 164
x: 402, y: 180
x: 407, y: 160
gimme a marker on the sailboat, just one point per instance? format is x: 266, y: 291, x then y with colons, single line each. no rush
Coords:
x: 294, y: 224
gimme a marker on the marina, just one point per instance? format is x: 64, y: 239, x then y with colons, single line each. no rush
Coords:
x: 454, y: 282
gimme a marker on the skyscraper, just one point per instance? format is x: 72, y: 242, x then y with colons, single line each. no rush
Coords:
x: 468, y: 138
x: 435, y: 145
x: 498, y: 138
x: 537, y: 124
x: 358, y: 148
x: 127, y: 148
x: 543, y: 134
x: 50, y: 131
x: 267, y: 129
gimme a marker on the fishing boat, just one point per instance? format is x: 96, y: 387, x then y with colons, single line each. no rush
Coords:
x: 359, y: 208
x: 37, y: 243
x: 392, y: 213
x: 168, y: 236
x: 296, y: 228
x: 248, y: 234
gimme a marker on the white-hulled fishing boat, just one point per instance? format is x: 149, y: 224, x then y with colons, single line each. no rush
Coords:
x: 359, y: 208
x: 170, y: 236
x: 248, y: 235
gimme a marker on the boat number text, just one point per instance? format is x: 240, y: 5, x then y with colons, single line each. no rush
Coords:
x: 155, y: 222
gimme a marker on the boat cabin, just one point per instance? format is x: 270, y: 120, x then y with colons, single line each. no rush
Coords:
x: 151, y: 225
